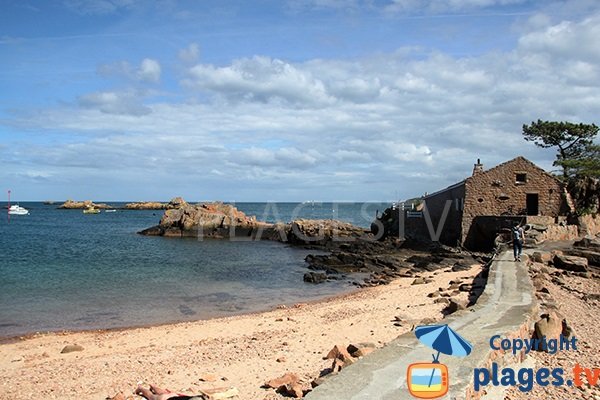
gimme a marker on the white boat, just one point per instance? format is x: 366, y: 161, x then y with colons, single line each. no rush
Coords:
x: 18, y: 210
x: 110, y: 211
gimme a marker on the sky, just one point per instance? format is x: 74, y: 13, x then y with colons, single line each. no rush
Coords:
x: 282, y: 100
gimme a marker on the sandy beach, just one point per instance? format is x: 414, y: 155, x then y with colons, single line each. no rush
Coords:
x: 241, y: 352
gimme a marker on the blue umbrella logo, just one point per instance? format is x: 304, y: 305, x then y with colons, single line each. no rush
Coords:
x: 443, y: 339
x: 430, y: 380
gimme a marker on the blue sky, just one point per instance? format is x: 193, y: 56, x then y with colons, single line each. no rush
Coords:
x: 282, y: 100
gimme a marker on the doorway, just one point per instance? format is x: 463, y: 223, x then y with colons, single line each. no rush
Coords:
x: 532, y: 204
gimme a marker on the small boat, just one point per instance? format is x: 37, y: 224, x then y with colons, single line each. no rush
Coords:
x: 110, y: 211
x: 91, y: 210
x: 17, y: 210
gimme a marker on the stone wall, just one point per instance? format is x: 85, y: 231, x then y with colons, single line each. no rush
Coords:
x: 498, y: 192
x: 589, y: 225
x: 556, y: 232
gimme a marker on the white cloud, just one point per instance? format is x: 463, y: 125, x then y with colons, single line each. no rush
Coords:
x: 121, y: 103
x: 354, y: 128
x: 149, y: 71
x: 190, y: 54
x: 259, y: 79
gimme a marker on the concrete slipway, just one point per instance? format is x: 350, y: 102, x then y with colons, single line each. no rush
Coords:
x: 506, y: 307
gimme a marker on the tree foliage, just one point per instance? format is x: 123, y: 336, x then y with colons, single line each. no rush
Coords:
x: 577, y: 154
x: 585, y: 164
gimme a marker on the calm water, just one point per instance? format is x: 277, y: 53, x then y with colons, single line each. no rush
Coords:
x: 62, y: 269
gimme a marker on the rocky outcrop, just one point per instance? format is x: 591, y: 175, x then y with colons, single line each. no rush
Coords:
x: 220, y: 220
x: 321, y: 231
x: 570, y: 263
x: 211, y: 220
x: 145, y: 205
x: 175, y: 203
x: 81, y: 205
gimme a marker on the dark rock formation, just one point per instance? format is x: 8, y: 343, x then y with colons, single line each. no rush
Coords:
x: 315, y: 277
x: 571, y: 263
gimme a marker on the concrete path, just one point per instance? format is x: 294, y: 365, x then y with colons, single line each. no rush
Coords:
x: 506, y: 308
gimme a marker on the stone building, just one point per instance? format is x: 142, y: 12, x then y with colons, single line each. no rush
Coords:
x: 473, y: 211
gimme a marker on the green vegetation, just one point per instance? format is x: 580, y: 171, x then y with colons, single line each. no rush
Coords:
x: 577, y: 154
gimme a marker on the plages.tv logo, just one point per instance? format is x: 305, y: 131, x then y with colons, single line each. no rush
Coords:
x: 429, y: 380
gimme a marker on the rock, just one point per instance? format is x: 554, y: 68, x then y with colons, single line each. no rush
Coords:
x: 465, y: 287
x: 454, y: 305
x: 337, y: 366
x: 71, y: 348
x: 82, y: 205
x: 588, y: 242
x: 593, y: 257
x: 118, y: 396
x: 540, y: 283
x: 360, y: 349
x: 571, y: 263
x: 459, y: 266
x: 220, y: 393
x: 214, y: 220
x: 442, y: 300
x: 177, y: 202
x: 208, y: 378
x: 542, y: 257
x: 281, y: 359
x: 315, y: 277
x: 286, y: 379
x: 550, y: 325
x: 304, y: 231
x: 317, y: 382
x: 419, y: 281
x: 340, y: 352
x: 145, y: 205
x: 292, y: 390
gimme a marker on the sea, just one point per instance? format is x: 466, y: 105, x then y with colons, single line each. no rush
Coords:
x: 65, y: 270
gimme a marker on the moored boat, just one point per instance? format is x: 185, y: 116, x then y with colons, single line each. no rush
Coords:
x: 91, y: 210
x: 17, y: 210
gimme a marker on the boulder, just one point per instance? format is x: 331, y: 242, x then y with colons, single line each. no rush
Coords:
x: 293, y: 390
x: 360, y: 349
x: 588, y: 242
x: 571, y: 263
x: 213, y: 220
x: 550, y: 325
x: 542, y: 257
x: 340, y: 353
x: 454, y: 305
x: 592, y: 256
x: 315, y: 277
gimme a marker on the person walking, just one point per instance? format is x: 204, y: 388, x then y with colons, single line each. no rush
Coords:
x: 518, y: 237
